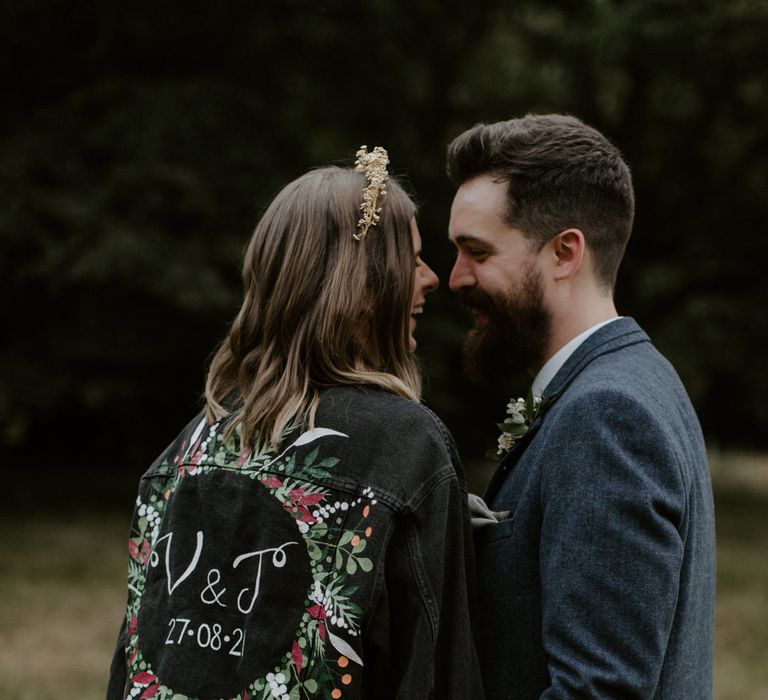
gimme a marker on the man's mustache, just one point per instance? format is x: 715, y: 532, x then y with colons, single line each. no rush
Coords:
x: 477, y: 300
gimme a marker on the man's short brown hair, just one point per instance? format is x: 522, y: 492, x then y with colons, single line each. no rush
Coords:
x: 560, y: 174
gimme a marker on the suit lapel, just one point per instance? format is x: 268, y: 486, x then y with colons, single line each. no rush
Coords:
x: 611, y: 337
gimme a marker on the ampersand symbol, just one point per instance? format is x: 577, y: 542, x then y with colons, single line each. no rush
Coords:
x: 215, y: 596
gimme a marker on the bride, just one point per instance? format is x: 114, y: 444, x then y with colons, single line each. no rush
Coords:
x: 306, y: 536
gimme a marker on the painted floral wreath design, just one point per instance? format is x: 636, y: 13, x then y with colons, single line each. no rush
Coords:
x: 319, y: 648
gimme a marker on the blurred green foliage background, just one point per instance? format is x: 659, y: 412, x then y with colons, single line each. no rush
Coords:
x: 140, y: 141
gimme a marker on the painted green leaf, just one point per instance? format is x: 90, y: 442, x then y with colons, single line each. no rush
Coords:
x: 346, y: 537
x: 311, y: 457
x: 351, y: 566
x: 360, y: 546
x: 310, y: 685
x: 317, y: 472
x: 365, y: 564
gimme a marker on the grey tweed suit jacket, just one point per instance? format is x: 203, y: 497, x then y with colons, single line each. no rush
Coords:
x: 601, y: 582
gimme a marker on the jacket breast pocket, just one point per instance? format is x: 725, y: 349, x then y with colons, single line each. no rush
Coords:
x: 495, y: 532
x: 507, y: 558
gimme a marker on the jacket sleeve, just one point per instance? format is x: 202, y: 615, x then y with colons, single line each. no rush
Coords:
x: 613, y: 514
x: 427, y: 598
x: 118, y: 669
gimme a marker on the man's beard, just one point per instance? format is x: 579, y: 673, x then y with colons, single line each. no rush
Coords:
x: 515, y: 335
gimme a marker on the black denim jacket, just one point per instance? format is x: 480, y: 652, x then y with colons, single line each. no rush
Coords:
x: 340, y: 567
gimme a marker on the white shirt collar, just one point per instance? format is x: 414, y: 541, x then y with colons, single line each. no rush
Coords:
x: 552, y: 366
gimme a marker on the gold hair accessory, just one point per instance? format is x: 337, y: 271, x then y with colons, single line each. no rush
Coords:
x: 374, y: 165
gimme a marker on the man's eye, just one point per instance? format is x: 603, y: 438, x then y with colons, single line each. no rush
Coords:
x: 477, y: 253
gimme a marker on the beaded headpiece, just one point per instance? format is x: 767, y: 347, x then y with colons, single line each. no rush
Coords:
x: 374, y: 165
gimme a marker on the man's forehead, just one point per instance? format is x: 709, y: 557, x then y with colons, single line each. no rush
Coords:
x: 478, y: 202
x: 481, y: 189
x: 481, y: 196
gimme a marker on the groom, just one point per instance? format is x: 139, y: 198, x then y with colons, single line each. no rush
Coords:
x: 598, y: 579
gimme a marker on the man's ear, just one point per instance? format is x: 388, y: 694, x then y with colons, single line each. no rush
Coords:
x: 568, y: 250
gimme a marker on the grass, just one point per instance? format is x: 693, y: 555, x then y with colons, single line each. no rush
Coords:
x: 62, y: 591
x: 741, y: 641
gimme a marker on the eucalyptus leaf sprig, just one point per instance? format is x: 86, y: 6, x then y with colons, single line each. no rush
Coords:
x: 520, y: 415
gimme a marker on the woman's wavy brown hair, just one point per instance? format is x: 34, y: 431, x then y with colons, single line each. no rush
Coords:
x: 320, y: 309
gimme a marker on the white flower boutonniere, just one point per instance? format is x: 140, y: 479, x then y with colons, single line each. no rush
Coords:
x: 520, y: 415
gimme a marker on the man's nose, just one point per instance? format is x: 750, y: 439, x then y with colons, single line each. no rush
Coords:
x: 462, y: 276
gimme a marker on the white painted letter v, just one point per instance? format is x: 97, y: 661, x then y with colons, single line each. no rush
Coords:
x: 189, y: 569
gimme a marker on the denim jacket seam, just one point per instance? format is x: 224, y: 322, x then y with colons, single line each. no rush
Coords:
x: 378, y: 585
x: 350, y: 486
x: 425, y: 593
x: 447, y: 473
